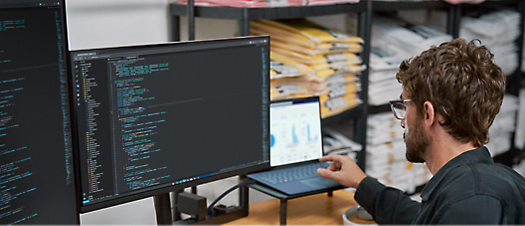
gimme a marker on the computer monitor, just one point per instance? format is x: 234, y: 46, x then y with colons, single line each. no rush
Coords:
x: 37, y: 184
x: 159, y: 118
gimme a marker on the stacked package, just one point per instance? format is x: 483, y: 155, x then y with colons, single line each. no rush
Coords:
x: 385, y: 155
x: 392, y: 42
x: 498, y: 31
x: 500, y: 133
x: 245, y: 3
x: 330, y: 2
x: 520, y: 168
x: 335, y: 143
x: 384, y: 64
x: 289, y: 79
x: 519, y: 140
x: 264, y: 3
x: 410, y: 37
x: 330, y: 54
x: 464, y: 1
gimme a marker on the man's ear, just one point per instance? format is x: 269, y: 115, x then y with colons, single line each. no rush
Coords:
x: 429, y: 114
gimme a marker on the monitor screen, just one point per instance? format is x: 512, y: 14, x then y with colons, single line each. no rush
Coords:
x: 37, y: 184
x: 295, y: 131
x: 158, y: 118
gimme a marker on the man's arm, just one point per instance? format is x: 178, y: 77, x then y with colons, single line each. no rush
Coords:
x: 343, y: 170
x: 386, y: 205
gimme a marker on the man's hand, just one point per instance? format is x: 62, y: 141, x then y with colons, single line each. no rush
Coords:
x: 343, y: 170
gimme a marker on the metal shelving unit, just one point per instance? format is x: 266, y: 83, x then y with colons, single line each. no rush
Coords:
x: 244, y: 15
x: 455, y: 13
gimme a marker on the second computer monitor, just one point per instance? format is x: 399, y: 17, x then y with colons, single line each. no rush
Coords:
x: 151, y: 118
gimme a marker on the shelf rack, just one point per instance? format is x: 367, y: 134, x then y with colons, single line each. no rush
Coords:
x: 453, y: 11
x: 243, y: 15
x: 454, y: 14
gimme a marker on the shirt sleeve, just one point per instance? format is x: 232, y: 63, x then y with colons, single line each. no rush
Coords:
x: 386, y: 205
x: 476, y: 209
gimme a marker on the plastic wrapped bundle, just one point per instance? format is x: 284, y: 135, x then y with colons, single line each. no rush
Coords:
x: 411, y: 38
x: 464, y: 1
x: 394, y: 40
x: 385, y: 155
x: 330, y: 2
x: 519, y: 140
x: 498, y: 32
x: 246, y: 3
x: 500, y: 132
x: 384, y: 64
x: 265, y: 3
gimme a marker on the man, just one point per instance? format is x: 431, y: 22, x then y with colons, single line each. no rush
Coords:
x: 451, y: 95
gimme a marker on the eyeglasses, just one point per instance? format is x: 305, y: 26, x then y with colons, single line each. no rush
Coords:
x: 399, y: 108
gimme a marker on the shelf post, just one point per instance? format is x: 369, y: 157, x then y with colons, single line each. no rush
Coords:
x: 175, y: 28
x: 453, y: 20
x: 244, y: 23
x: 191, y: 20
x: 365, y: 23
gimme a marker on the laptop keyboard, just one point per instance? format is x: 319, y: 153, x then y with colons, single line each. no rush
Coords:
x: 292, y: 174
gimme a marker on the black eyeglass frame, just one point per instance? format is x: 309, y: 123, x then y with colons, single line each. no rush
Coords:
x: 399, y: 108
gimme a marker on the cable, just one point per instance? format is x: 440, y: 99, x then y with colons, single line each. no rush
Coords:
x: 227, y: 192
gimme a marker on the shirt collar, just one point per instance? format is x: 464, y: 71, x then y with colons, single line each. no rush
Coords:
x: 478, y: 155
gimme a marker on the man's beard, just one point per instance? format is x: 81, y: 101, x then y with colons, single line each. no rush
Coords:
x: 417, y: 142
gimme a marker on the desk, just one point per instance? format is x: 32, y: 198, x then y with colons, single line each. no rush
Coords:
x: 316, y: 209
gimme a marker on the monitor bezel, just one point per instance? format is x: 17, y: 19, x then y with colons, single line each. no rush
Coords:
x: 12, y: 4
x: 149, y: 192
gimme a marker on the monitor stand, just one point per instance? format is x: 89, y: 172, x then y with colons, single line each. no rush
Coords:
x: 163, y: 209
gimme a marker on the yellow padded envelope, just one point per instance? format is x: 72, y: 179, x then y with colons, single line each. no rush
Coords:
x: 314, y: 32
x: 304, y: 33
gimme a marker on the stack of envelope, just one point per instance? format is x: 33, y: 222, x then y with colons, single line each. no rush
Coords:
x: 265, y: 3
x: 520, y: 168
x: 410, y: 37
x: 289, y: 79
x: 498, y: 31
x: 519, y: 140
x: 500, y: 133
x: 331, y: 54
x: 384, y: 64
x: 245, y: 3
x: 385, y: 155
x: 330, y: 2
x: 394, y: 40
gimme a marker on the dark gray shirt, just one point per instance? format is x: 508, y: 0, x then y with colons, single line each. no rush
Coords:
x: 469, y: 189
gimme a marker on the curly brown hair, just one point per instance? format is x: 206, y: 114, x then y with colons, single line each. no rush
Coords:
x: 463, y: 84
